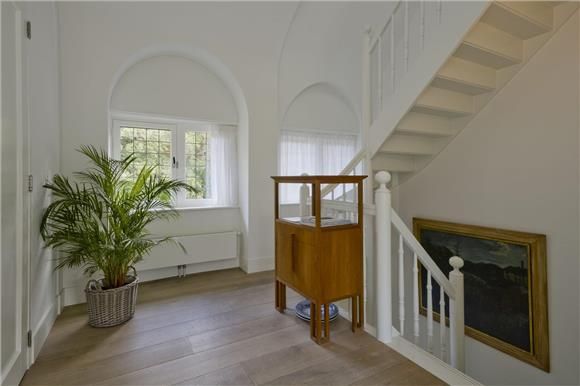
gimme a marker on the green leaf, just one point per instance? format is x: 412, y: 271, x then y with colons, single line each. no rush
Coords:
x: 99, y: 220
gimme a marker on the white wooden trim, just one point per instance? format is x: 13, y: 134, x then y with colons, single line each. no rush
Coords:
x: 42, y: 329
x: 160, y: 118
x: 431, y: 363
x: 74, y: 294
x: 422, y: 254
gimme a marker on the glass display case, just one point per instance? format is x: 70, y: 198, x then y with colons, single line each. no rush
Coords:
x: 319, y: 245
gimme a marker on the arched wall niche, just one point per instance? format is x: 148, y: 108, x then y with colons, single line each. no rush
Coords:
x: 216, y: 69
x: 201, y: 59
x: 171, y: 85
x: 321, y: 107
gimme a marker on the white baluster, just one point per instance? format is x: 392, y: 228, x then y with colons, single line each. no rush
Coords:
x: 442, y: 340
x: 383, y: 231
x: 415, y: 299
x: 422, y: 25
x: 429, y: 313
x: 456, y: 316
x: 401, y: 286
x: 406, y: 37
x: 304, y: 193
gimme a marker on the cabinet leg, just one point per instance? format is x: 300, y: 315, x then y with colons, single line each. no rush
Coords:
x: 361, y: 311
x: 312, y: 321
x: 280, y: 290
x: 319, y: 332
x: 277, y: 295
x: 327, y: 321
x: 353, y: 313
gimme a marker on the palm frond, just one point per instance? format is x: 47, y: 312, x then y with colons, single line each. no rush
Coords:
x: 99, y: 222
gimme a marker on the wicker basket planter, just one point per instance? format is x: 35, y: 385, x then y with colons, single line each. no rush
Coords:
x: 111, y: 307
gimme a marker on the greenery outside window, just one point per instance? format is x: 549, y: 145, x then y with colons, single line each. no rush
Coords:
x: 177, y: 150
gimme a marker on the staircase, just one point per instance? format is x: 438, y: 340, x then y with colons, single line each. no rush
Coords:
x: 426, y: 73
x: 497, y: 45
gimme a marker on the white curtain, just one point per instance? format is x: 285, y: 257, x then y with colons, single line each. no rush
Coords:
x: 223, y: 165
x: 312, y: 153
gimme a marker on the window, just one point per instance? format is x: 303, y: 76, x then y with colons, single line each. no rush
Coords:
x: 197, y: 164
x: 201, y: 154
x: 313, y: 153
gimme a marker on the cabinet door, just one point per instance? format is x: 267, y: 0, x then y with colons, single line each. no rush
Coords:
x: 296, y: 258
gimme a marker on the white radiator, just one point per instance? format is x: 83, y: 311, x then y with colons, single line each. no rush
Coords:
x: 200, y: 248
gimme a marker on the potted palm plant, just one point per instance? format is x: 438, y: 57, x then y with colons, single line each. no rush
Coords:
x: 99, y: 222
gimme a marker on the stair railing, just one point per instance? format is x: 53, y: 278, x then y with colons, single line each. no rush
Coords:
x: 385, y: 219
x: 354, y: 166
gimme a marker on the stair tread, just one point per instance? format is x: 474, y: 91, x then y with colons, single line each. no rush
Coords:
x: 442, y: 102
x: 490, y: 47
x: 411, y: 145
x: 522, y: 19
x: 460, y: 85
x: 485, y: 56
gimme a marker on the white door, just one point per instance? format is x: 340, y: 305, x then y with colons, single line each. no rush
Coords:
x: 13, y: 199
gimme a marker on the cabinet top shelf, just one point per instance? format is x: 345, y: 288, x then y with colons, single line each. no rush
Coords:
x: 319, y: 179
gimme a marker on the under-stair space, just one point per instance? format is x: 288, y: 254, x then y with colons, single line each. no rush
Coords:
x: 500, y: 43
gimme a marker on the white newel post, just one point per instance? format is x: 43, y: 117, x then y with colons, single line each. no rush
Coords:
x: 457, y: 316
x: 383, y: 242
x: 304, y: 193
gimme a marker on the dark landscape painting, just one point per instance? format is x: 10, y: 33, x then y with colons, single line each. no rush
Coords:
x: 497, y: 279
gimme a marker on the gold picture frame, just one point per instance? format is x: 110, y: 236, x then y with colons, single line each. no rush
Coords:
x: 484, y: 269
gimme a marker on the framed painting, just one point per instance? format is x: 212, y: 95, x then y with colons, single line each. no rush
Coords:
x: 506, y: 300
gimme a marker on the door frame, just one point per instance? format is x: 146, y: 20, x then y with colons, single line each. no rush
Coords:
x: 20, y: 361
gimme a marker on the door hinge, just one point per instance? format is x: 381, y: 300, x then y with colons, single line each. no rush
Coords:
x: 29, y: 30
x: 30, y: 182
x: 29, y: 337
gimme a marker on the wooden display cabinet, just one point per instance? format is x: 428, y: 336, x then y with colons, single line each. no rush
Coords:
x: 321, y: 258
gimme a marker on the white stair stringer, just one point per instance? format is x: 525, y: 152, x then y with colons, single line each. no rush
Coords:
x: 497, y: 46
x: 442, y: 370
x: 429, y: 362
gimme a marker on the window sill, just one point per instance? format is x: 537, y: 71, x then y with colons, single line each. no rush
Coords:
x: 209, y: 207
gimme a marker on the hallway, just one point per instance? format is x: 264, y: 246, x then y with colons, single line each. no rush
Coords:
x: 209, y: 329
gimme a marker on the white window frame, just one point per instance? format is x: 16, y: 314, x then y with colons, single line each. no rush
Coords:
x: 178, y: 129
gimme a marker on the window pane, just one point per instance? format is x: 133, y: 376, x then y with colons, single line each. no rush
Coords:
x: 197, y: 163
x: 151, y: 147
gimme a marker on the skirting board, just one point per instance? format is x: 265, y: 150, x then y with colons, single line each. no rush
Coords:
x: 76, y: 294
x: 431, y: 363
x: 371, y: 330
x: 258, y: 265
x: 422, y: 358
x: 42, y: 329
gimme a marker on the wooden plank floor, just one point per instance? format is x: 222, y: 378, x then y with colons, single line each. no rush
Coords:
x: 217, y: 328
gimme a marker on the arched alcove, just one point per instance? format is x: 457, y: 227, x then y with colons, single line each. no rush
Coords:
x: 195, y: 80
x: 320, y: 135
x: 321, y: 107
x: 176, y: 86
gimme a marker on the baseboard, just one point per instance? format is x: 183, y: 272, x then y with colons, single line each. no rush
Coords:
x: 431, y: 363
x: 42, y: 329
x: 369, y: 329
x: 258, y: 265
x: 76, y: 294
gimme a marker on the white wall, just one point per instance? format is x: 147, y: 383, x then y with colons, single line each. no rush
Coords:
x: 324, y: 44
x: 320, y: 107
x: 245, y: 37
x: 515, y: 166
x: 174, y: 86
x: 44, y: 123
